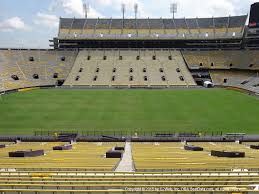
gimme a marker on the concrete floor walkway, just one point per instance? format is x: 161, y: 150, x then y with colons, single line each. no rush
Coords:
x: 126, y: 163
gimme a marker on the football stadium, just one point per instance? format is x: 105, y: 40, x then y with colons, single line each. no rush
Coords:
x: 133, y: 105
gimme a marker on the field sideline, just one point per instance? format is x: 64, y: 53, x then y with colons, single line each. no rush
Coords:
x: 129, y: 110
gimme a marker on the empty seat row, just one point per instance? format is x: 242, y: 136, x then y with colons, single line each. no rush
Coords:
x: 131, y: 78
x: 34, y: 76
x: 137, y: 58
x: 131, y: 70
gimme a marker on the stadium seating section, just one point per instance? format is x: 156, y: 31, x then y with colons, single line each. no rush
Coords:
x: 166, y: 156
x: 26, y: 182
x: 84, y: 169
x: 84, y: 155
x: 130, y: 68
x: 227, y: 68
x: 181, y: 28
x: 225, y: 59
x: 247, y: 80
x: 126, y: 68
x: 28, y: 68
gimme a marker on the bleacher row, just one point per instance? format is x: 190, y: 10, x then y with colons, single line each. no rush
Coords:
x: 28, y: 68
x: 125, y: 183
x: 187, y: 26
x: 128, y: 183
x: 84, y: 169
x: 130, y: 68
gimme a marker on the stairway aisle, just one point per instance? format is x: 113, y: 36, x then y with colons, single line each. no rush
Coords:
x: 126, y: 163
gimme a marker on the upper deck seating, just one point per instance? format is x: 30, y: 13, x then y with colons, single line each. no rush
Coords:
x: 229, y: 27
x: 103, y: 26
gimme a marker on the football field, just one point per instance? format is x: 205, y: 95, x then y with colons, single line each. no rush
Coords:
x: 129, y: 111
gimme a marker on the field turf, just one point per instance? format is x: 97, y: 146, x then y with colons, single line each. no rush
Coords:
x: 129, y: 111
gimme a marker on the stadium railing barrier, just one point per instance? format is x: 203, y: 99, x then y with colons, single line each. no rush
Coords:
x: 139, y: 132
x: 247, y: 138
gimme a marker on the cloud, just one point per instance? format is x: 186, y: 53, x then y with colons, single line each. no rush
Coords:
x: 93, y: 13
x: 116, y: 6
x: 153, y: 8
x: 11, y: 24
x: 73, y: 7
x: 199, y: 8
x: 221, y: 8
x: 47, y: 20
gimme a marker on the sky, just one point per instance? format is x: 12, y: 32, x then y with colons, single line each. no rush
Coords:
x: 32, y: 23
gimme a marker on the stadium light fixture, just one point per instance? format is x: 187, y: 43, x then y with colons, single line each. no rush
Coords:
x: 136, y: 15
x: 173, y: 8
x: 136, y: 10
x: 123, y: 10
x: 86, y: 8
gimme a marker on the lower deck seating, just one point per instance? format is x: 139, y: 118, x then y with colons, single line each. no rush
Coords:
x: 252, y: 84
x: 81, y: 182
x: 130, y: 68
x: 83, y: 155
x: 164, y: 156
x: 168, y: 166
x: 28, y: 68
x: 247, y: 80
x: 222, y: 59
x: 173, y: 156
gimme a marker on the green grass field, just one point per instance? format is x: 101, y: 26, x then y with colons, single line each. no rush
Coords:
x: 129, y: 110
